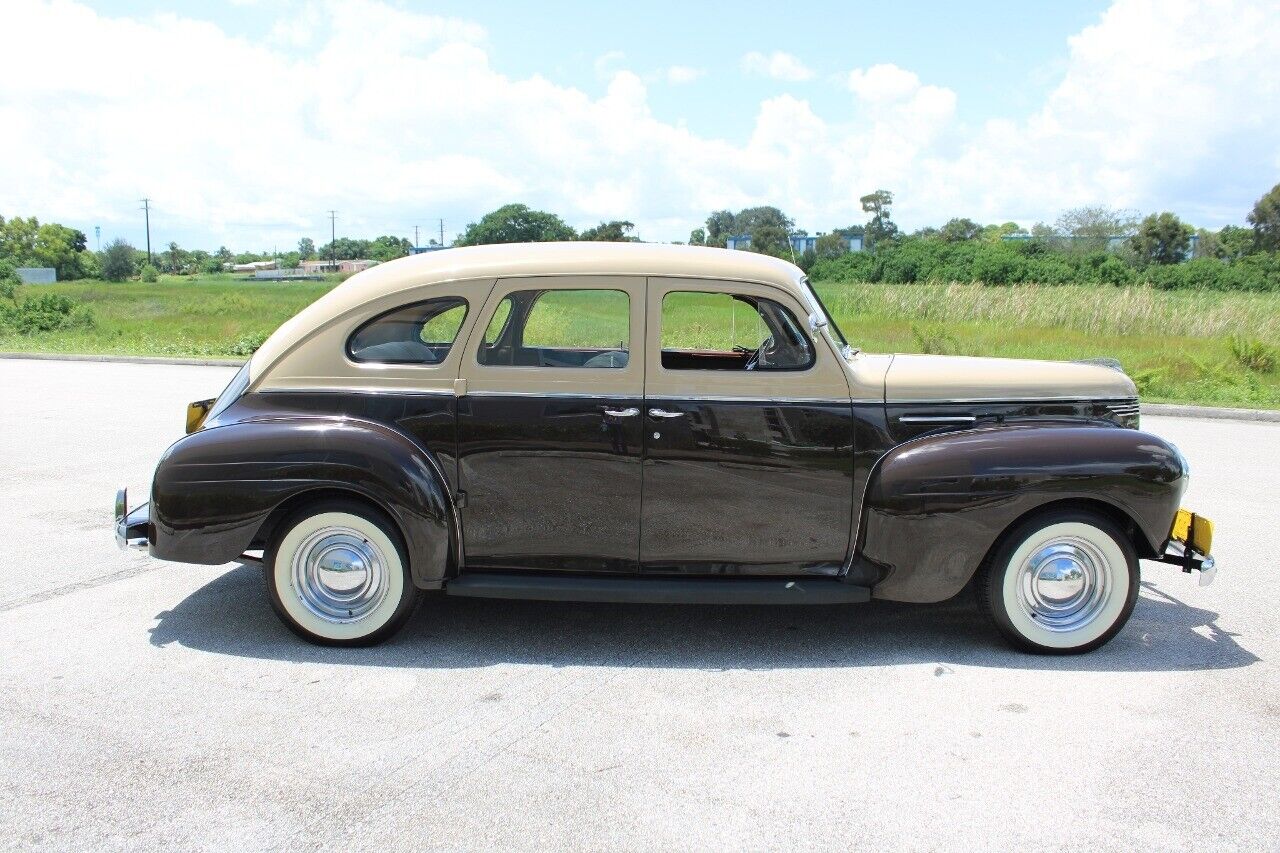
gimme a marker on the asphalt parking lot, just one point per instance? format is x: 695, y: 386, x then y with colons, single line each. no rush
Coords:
x: 149, y: 705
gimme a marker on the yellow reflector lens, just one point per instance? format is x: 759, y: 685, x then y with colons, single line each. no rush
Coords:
x: 1195, y: 530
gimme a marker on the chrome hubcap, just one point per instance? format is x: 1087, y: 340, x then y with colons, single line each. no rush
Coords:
x: 1063, y: 584
x: 339, y: 575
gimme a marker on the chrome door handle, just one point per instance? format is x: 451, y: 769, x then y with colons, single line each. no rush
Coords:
x: 663, y: 413
x: 629, y: 412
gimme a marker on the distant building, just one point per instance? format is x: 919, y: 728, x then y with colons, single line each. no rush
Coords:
x: 254, y: 266
x: 800, y: 243
x: 37, y: 275
x: 325, y: 265
x: 418, y: 250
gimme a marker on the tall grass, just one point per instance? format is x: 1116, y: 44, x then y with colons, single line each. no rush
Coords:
x: 1094, y: 310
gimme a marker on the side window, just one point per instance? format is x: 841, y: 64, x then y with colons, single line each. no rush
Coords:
x: 421, y: 333
x: 730, y: 331
x: 559, y: 328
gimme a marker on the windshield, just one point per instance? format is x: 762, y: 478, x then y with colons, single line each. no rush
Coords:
x: 231, y: 393
x: 831, y: 321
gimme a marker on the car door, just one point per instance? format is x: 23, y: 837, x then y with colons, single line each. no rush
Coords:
x: 549, y: 426
x: 748, y: 463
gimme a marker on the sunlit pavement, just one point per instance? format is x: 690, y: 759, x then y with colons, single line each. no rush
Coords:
x: 150, y: 705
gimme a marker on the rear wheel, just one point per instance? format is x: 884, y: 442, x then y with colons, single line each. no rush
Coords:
x: 337, y: 574
x: 1063, y: 582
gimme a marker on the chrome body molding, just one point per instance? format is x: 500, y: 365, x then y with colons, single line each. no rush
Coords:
x: 938, y: 419
x: 912, y: 401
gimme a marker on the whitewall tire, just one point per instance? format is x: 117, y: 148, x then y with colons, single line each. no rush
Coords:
x: 1062, y: 582
x: 338, y: 574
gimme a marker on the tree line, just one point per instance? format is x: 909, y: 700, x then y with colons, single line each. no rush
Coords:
x: 1085, y: 244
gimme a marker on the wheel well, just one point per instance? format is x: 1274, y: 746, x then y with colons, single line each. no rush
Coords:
x: 1111, y: 512
x: 292, y: 504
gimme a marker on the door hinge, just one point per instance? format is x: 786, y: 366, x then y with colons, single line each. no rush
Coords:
x: 459, y: 387
x: 460, y: 499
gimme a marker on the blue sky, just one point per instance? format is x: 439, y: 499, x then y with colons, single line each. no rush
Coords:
x: 245, y: 121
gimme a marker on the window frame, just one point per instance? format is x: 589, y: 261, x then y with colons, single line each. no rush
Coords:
x: 749, y: 299
x: 349, y: 351
x: 541, y: 292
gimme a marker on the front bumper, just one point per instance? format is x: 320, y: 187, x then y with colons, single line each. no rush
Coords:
x: 1190, y: 540
x: 132, y: 526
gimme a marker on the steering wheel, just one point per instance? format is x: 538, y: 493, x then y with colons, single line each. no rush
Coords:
x: 763, y: 354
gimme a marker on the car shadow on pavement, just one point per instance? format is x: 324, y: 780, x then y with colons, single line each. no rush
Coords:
x: 230, y: 615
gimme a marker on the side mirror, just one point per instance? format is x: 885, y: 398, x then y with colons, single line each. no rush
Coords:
x: 196, y: 413
x: 816, y: 322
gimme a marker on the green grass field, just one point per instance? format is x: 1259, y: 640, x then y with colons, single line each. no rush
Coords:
x: 1175, y: 344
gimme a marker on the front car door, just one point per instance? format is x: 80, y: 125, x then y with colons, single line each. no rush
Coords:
x: 749, y: 457
x: 549, y: 441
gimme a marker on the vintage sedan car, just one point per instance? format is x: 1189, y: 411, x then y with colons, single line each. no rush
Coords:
x: 646, y: 423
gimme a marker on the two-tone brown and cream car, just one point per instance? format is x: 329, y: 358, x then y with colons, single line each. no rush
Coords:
x: 625, y: 422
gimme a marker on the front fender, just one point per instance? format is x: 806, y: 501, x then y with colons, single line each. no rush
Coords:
x: 936, y: 505
x: 214, y: 489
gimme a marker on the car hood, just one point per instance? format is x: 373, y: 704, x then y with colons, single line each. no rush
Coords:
x: 913, y: 378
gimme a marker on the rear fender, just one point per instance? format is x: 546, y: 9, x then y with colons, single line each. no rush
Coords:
x: 214, y: 489
x: 937, y: 504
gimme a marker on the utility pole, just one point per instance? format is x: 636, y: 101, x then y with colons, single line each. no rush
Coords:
x: 146, y: 207
x: 441, y: 233
x: 333, y: 239
x: 97, y: 236
x: 415, y: 236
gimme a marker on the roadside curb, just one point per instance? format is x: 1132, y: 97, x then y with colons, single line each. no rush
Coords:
x: 126, y: 359
x: 1162, y: 410
x: 1174, y: 410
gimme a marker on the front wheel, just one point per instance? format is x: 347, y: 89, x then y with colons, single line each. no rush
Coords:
x: 1063, y: 582
x: 338, y: 575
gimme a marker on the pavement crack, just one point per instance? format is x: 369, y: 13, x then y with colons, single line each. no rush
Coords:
x: 48, y: 595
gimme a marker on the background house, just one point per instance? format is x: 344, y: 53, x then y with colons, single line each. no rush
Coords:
x: 799, y: 242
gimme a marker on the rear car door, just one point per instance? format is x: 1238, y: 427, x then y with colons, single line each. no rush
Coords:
x: 748, y: 464
x: 549, y: 425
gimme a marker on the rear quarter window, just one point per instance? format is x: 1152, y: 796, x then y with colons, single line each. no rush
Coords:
x: 421, y: 333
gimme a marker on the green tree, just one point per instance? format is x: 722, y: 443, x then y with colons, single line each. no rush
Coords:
x: 960, y: 230
x: 1231, y: 243
x: 881, y: 228
x: 698, y: 237
x: 148, y: 273
x: 831, y: 245
x: 613, y: 231
x: 388, y: 248
x: 174, y: 259
x: 1091, y: 227
x: 9, y: 281
x: 1161, y: 239
x: 18, y: 240
x: 117, y: 261
x: 1265, y: 219
x: 306, y: 248
x: 346, y: 249
x: 720, y: 227
x: 995, y: 233
x: 515, y: 223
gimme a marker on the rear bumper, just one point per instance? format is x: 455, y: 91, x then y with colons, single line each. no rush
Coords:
x: 132, y: 527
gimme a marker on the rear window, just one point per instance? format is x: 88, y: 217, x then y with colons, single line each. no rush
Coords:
x: 422, y: 333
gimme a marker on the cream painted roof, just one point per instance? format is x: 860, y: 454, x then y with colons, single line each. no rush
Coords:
x: 525, y: 259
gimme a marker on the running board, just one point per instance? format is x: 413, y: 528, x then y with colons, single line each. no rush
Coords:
x: 657, y: 590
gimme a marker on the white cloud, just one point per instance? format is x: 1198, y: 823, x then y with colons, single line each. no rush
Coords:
x: 778, y: 65
x: 679, y: 74
x: 393, y: 117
